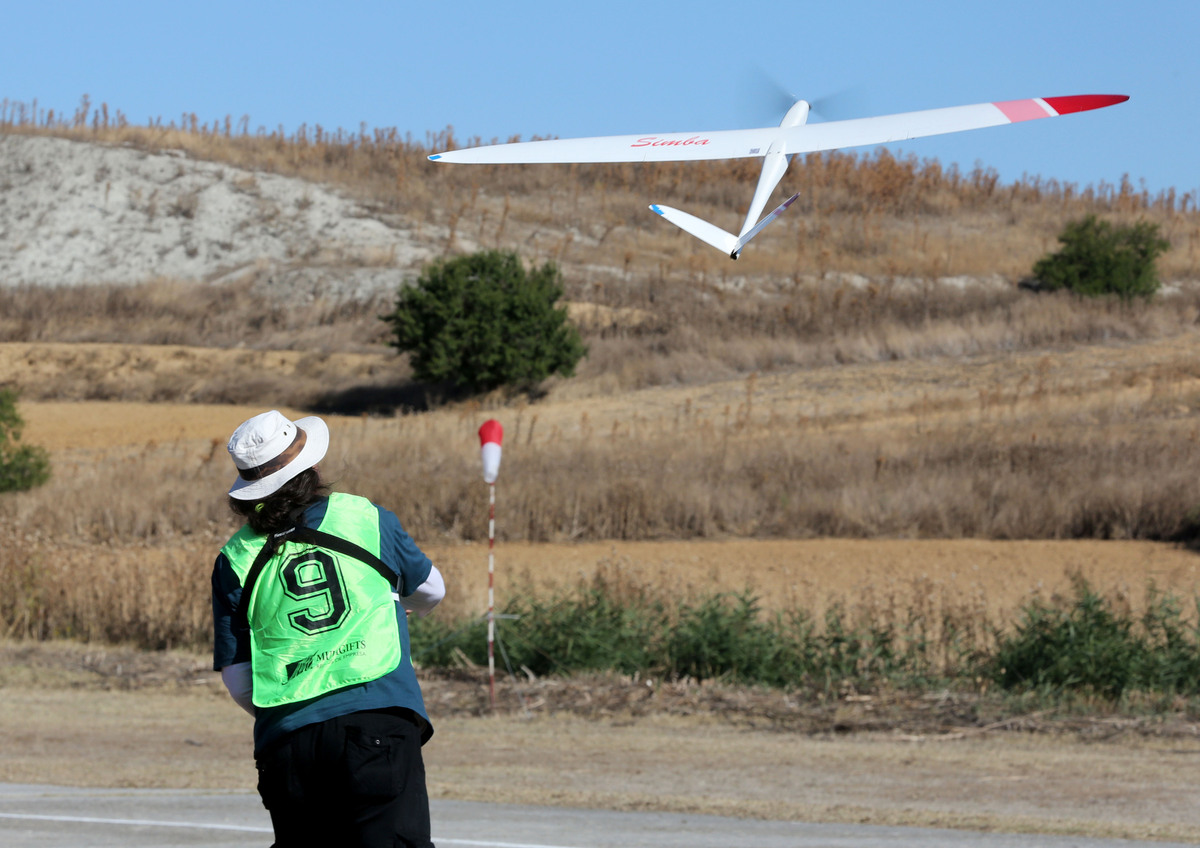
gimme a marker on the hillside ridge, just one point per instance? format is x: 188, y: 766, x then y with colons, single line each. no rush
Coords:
x: 78, y: 213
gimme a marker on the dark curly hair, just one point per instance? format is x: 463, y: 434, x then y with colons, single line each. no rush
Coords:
x: 278, y: 511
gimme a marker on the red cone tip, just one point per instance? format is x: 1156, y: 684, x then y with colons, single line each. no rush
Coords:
x: 491, y: 431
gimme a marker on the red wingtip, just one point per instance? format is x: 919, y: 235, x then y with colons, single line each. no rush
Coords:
x: 1084, y: 102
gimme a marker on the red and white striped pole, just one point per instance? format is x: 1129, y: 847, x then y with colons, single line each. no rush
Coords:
x: 490, y: 436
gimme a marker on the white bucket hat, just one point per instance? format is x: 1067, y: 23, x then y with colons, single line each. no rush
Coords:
x: 269, y: 450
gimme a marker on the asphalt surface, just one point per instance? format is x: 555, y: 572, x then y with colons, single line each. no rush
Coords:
x: 34, y: 815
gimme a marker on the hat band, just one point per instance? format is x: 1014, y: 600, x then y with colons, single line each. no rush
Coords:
x: 279, y: 462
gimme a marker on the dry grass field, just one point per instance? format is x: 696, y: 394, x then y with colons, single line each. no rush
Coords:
x: 866, y: 411
x: 117, y: 548
x: 137, y: 493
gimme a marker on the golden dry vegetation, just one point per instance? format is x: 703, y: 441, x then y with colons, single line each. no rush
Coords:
x: 865, y: 410
x: 137, y: 491
x: 870, y: 372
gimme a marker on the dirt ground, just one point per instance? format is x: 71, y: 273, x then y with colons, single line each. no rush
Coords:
x: 106, y: 717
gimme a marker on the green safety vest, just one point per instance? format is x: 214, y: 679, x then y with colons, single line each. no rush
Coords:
x: 321, y: 613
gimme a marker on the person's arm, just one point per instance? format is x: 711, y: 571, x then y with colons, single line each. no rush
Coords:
x: 413, y: 568
x: 240, y: 684
x: 427, y: 595
x: 231, y: 643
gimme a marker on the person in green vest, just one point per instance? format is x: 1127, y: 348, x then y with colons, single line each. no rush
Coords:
x: 310, y: 605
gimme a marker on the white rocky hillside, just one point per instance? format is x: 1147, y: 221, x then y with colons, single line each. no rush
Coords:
x: 74, y: 213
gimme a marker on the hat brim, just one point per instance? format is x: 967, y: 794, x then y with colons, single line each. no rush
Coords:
x: 316, y: 443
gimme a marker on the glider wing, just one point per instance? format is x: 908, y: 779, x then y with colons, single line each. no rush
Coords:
x: 809, y: 138
x: 668, y: 147
x: 857, y: 132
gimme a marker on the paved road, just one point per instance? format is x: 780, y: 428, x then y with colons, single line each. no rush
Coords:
x: 129, y: 818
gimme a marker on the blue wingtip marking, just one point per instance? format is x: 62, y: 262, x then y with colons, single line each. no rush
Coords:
x: 434, y: 157
x: 654, y: 207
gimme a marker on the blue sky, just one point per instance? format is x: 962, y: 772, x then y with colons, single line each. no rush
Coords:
x: 496, y: 70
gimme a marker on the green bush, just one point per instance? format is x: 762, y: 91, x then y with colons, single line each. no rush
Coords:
x: 593, y: 631
x: 720, y: 636
x: 589, y: 631
x: 1098, y: 258
x: 22, y: 467
x: 481, y: 321
x: 1080, y: 644
x: 1085, y: 645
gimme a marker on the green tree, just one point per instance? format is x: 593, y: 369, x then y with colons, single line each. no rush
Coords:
x: 1098, y: 258
x: 481, y: 322
x: 21, y: 466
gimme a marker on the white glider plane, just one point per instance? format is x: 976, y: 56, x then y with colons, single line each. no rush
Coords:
x: 774, y: 145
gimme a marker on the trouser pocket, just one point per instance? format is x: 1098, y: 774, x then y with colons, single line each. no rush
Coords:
x: 277, y: 783
x: 375, y: 761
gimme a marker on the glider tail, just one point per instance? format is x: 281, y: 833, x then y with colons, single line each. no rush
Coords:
x: 701, y: 229
x: 723, y: 241
x: 758, y: 228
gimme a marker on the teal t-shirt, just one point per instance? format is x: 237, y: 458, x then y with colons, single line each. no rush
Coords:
x: 399, y: 688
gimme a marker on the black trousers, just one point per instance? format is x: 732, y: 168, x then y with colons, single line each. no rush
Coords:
x: 354, y: 780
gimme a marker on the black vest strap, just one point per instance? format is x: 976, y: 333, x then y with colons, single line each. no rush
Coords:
x: 319, y: 538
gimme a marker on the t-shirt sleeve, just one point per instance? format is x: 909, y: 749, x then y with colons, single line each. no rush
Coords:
x: 231, y: 644
x: 401, y: 553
